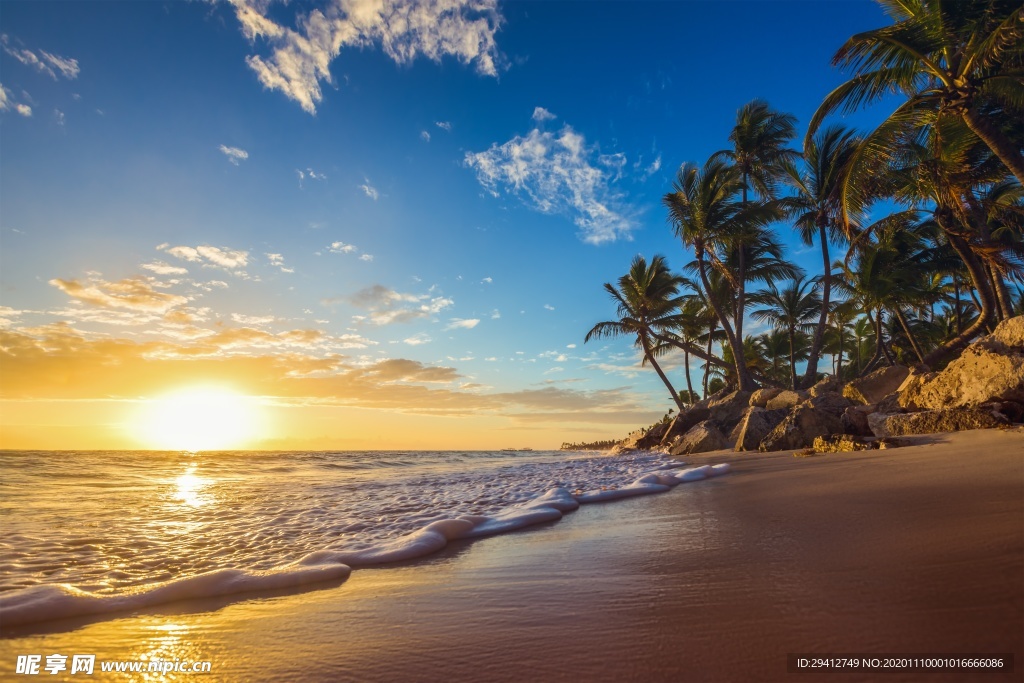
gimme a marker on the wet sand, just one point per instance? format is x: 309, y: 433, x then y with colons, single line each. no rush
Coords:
x: 911, y: 550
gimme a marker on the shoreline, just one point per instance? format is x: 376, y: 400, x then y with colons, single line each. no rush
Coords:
x: 913, y: 550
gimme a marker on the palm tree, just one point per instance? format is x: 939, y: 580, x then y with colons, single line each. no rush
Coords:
x: 963, y: 60
x: 706, y: 216
x: 792, y: 309
x: 759, y: 153
x: 816, y: 210
x: 647, y: 299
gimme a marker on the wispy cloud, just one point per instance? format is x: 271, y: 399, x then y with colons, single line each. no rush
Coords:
x: 234, y: 154
x: 418, y: 339
x: 542, y: 114
x: 50, y: 64
x: 161, y: 268
x: 342, y: 248
x: 278, y: 261
x: 487, y: 281
x: 558, y: 173
x: 309, y: 174
x: 425, y: 136
x: 231, y: 260
x: 386, y: 306
x: 301, y: 57
x: 134, y: 294
x: 8, y: 103
x: 444, y: 125
x: 462, y: 323
x: 366, y: 257
x: 549, y: 307
x: 369, y: 190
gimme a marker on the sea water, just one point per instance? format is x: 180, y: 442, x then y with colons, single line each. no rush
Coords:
x: 98, y: 532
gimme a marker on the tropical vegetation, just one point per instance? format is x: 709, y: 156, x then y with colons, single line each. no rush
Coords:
x: 920, y: 221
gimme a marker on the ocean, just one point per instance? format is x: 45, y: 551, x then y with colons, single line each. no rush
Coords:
x: 91, y: 532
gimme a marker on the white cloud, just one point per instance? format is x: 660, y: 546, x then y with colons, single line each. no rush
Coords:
x: 45, y: 62
x: 366, y: 257
x: 425, y: 136
x: 418, y: 339
x: 558, y: 174
x: 301, y: 57
x: 386, y: 306
x: 7, y: 103
x: 161, y: 268
x: 234, y: 154
x: 570, y: 346
x: 58, y: 116
x: 232, y: 260
x: 253, y: 319
x: 342, y: 248
x: 495, y: 314
x: 278, y: 260
x: 462, y: 324
x: 370, y: 191
x: 542, y: 114
x: 443, y: 125
x: 487, y: 281
x: 23, y: 109
x: 549, y: 307
x: 310, y: 174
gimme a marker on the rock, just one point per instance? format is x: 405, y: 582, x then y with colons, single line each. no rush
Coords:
x: 841, y: 443
x: 933, y: 421
x: 653, y: 436
x: 1010, y: 333
x: 685, y: 421
x: 876, y: 386
x: 786, y: 399
x: 702, y: 438
x: 799, y: 428
x: 855, y: 421
x: 756, y: 424
x: 831, y: 384
x: 989, y: 370
x: 728, y: 410
x: 761, y: 397
x: 1012, y: 410
x: 889, y: 404
x: 830, y: 402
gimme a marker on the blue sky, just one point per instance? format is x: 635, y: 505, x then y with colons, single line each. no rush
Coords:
x: 424, y: 198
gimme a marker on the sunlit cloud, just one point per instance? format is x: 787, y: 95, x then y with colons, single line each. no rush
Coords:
x: 161, y: 268
x: 418, y: 339
x: 462, y: 323
x: 50, y: 64
x: 300, y: 58
x: 558, y: 173
x: 277, y: 260
x: 386, y: 306
x: 134, y: 293
x: 8, y: 103
x: 234, y: 154
x: 231, y: 260
x: 342, y: 248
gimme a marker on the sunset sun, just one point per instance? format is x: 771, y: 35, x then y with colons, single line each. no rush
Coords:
x: 199, y: 418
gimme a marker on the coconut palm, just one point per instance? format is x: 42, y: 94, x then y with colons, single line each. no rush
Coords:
x: 792, y: 309
x: 815, y: 208
x: 961, y: 60
x: 647, y: 299
x: 707, y: 216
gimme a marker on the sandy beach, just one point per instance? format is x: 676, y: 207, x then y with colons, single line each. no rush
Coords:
x: 911, y: 550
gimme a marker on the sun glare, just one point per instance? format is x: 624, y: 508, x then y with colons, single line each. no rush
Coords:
x: 199, y: 419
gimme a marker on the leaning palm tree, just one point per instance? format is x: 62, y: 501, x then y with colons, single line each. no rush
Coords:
x: 706, y: 215
x: 647, y: 299
x: 815, y: 208
x: 963, y: 60
x: 792, y: 309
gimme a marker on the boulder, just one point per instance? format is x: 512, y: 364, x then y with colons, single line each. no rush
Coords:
x: 685, y: 421
x: 877, y: 385
x: 989, y: 370
x: 933, y: 421
x: 728, y: 410
x: 844, y: 443
x: 652, y: 437
x: 855, y: 421
x: 756, y: 424
x: 702, y: 438
x: 761, y: 397
x: 831, y: 384
x: 830, y: 402
x: 786, y: 399
x: 799, y: 428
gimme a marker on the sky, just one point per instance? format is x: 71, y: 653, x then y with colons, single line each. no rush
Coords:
x: 349, y: 224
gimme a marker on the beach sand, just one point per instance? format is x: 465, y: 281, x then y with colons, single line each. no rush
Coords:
x: 911, y: 550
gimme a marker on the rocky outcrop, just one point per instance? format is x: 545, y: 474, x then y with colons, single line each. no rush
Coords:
x: 761, y: 397
x: 648, y: 438
x: 701, y: 438
x: 684, y: 422
x: 831, y: 384
x: 830, y: 402
x: 989, y: 370
x: 855, y: 420
x: 874, y: 387
x: 799, y: 429
x: 728, y: 410
x: 844, y: 443
x: 786, y: 399
x: 756, y: 424
x: 933, y: 421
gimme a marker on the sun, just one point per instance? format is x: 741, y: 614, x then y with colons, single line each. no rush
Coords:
x: 199, y: 419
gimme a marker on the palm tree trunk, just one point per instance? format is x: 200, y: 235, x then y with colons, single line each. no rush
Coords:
x: 906, y: 330
x: 707, y: 363
x: 956, y: 292
x: 839, y: 365
x: 1002, y: 294
x: 987, y: 305
x: 880, y: 340
x: 811, y: 374
x: 661, y: 373
x: 746, y: 383
x: 1000, y: 145
x: 689, y: 384
x: 792, y: 356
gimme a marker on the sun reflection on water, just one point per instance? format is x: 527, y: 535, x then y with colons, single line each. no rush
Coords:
x: 190, y: 488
